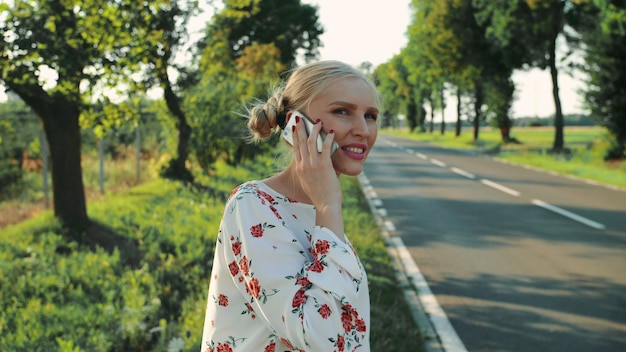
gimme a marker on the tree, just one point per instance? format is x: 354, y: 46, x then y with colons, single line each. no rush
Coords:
x: 86, y: 44
x: 448, y: 48
x: 288, y: 24
x: 71, y: 40
x: 247, y: 45
x: 383, y: 78
x: 213, y: 105
x: 602, y: 26
x: 527, y: 31
x: 163, y: 32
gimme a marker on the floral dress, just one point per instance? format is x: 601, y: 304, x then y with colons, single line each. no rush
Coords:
x: 280, y: 283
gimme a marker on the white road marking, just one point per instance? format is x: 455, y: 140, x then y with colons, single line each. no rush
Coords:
x: 450, y: 340
x: 389, y: 226
x: 500, y: 187
x: 568, y: 214
x: 421, y: 156
x: 462, y: 173
x: 438, y: 162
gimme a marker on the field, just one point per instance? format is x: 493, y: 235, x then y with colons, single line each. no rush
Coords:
x: 584, y: 159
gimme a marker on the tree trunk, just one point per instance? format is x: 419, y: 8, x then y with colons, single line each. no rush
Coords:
x: 177, y: 169
x: 558, y: 116
x: 458, y: 113
x: 63, y: 134
x: 59, y: 116
x: 431, y: 128
x: 411, y: 115
x: 443, y: 109
x: 478, y: 110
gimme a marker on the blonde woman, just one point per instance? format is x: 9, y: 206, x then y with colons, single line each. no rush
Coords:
x: 285, y: 276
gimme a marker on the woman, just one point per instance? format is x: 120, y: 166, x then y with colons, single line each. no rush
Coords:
x: 285, y: 277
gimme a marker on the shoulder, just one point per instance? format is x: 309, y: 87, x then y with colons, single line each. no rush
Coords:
x: 251, y: 195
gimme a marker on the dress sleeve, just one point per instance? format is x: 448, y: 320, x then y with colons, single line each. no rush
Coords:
x: 308, y: 300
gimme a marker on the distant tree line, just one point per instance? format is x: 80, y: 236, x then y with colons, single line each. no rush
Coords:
x: 470, y: 49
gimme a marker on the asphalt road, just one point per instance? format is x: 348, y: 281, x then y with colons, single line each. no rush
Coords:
x: 519, y: 259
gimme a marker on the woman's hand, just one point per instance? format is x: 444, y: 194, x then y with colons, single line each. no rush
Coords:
x: 318, y: 177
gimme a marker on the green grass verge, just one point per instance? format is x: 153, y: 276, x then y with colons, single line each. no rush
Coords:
x: 136, y: 280
x: 586, y: 144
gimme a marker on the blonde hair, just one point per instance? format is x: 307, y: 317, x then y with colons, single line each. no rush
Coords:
x: 303, y: 86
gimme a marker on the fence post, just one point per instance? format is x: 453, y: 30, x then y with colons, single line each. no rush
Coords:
x: 101, y: 160
x: 138, y: 144
x: 43, y: 141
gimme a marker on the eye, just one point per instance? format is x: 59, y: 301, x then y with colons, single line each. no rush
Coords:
x: 341, y: 112
x: 371, y: 116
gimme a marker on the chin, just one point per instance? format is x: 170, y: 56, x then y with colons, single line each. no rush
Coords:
x: 348, y: 170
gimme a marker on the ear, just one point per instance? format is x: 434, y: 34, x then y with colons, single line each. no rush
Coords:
x: 288, y: 116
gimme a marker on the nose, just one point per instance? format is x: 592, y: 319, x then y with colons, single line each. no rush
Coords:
x: 360, y: 127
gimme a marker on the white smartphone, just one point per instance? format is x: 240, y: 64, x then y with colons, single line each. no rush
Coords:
x: 288, y: 133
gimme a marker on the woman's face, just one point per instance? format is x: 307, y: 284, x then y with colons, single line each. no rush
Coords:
x: 348, y: 107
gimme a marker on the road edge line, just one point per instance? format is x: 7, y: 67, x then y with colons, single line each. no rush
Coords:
x: 409, y: 284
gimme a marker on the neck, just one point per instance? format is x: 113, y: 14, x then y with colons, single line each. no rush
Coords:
x: 287, y: 183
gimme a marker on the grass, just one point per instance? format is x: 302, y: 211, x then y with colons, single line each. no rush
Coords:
x: 586, y: 147
x: 137, y: 278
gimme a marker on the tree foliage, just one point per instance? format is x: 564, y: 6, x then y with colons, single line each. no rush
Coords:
x: 603, y: 32
x: 247, y: 47
x: 289, y: 25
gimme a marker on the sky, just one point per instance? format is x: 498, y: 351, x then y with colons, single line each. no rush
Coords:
x: 374, y: 30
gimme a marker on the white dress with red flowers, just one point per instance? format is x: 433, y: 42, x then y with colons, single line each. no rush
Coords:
x: 280, y: 283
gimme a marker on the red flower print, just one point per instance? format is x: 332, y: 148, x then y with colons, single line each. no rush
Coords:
x: 256, y: 231
x: 270, y: 348
x: 223, y: 300
x: 351, y: 310
x: 341, y: 344
x: 244, y: 265
x: 324, y: 311
x: 303, y: 281
x: 360, y: 325
x: 316, y: 266
x: 236, y: 247
x: 287, y: 343
x: 276, y: 212
x: 266, y: 196
x: 299, y: 299
x: 233, y: 192
x: 253, y: 288
x: 222, y: 347
x: 346, y: 321
x: 322, y: 247
x: 234, y: 269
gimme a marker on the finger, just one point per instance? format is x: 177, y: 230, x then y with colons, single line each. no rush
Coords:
x: 328, y: 143
x: 313, y: 138
x: 302, y: 142
x: 296, y: 143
